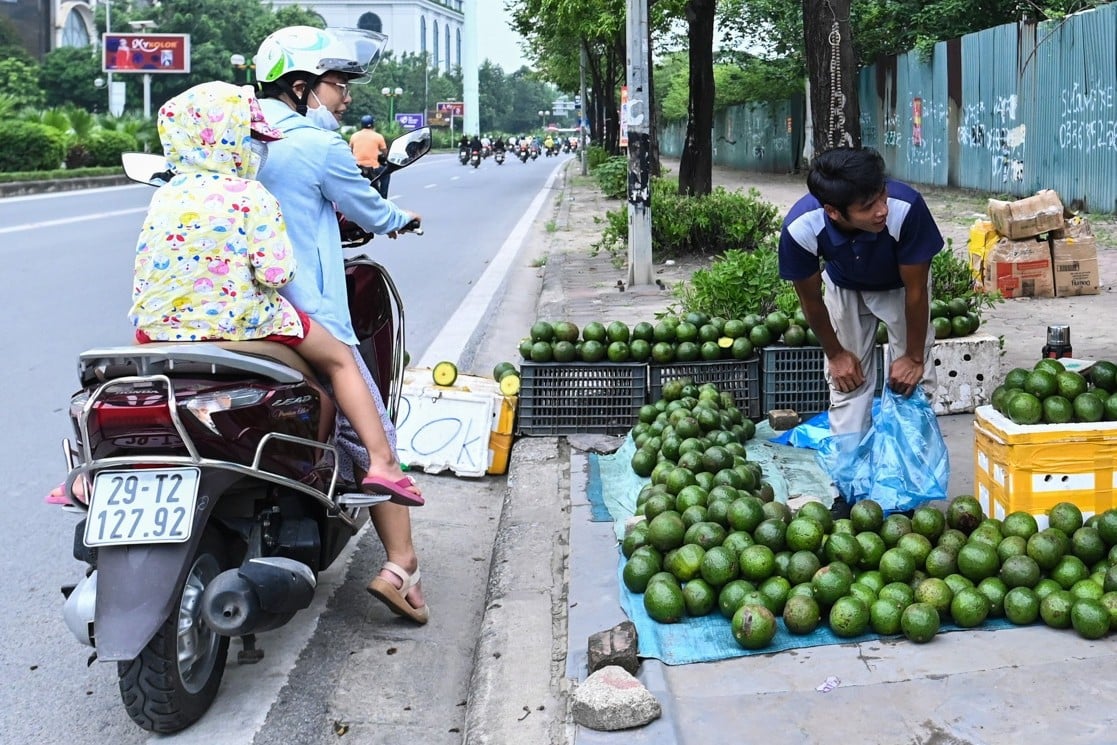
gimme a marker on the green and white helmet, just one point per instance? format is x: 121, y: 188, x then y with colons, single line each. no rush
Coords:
x: 352, y: 51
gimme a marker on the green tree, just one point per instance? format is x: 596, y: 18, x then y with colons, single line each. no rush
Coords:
x: 66, y: 77
x: 18, y: 78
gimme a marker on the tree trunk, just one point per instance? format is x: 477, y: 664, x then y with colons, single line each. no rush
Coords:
x: 695, y: 167
x: 654, y: 167
x: 832, y: 71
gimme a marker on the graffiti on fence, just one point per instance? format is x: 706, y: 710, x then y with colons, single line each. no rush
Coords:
x: 1088, y: 119
x: 993, y: 129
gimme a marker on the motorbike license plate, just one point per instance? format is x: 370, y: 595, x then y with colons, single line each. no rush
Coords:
x: 142, y: 506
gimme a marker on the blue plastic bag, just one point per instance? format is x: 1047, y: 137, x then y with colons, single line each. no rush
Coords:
x: 900, y: 463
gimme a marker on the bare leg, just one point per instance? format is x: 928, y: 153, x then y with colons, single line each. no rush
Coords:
x: 335, y: 360
x: 392, y: 523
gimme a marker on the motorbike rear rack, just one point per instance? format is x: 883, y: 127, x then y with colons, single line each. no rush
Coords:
x: 329, y: 499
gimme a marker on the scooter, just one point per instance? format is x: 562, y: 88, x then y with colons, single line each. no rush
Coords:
x: 525, y: 154
x: 498, y: 156
x: 475, y: 158
x: 211, y: 497
x: 463, y: 155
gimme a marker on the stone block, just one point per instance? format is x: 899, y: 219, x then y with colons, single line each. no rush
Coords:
x: 612, y: 699
x: 615, y: 646
x: 781, y: 419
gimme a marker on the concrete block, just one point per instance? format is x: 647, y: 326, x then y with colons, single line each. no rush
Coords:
x: 615, y: 646
x: 968, y: 369
x: 781, y: 419
x: 612, y: 699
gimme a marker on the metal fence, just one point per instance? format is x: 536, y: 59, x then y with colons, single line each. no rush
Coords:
x: 1007, y: 110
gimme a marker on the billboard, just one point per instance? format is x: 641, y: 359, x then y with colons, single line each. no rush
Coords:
x: 410, y: 121
x: 455, y: 108
x: 146, y: 53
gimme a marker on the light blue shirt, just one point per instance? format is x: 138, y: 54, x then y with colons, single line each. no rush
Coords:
x: 312, y: 172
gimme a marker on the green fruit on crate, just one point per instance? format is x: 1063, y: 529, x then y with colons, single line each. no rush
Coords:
x: 541, y: 352
x: 1052, y: 366
x: 735, y: 328
x: 643, y: 331
x: 1041, y: 384
x: 593, y: 351
x: 444, y: 373
x: 939, y: 309
x: 958, y: 306
x: 795, y: 336
x: 618, y: 332
x: 563, y: 351
x: 942, y: 326
x: 1016, y: 377
x: 1057, y: 410
x: 1103, y: 374
x: 566, y: 331
x: 1065, y: 516
x: 1088, y: 408
x: 960, y: 326
x: 1024, y: 408
x: 525, y: 348
x: 687, y: 351
x: 594, y: 331
x: 542, y: 331
x: 639, y: 350
x: 760, y: 335
x: 686, y: 332
x: 501, y: 369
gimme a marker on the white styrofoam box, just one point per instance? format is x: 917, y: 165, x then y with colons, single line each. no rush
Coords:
x: 968, y: 369
x: 446, y: 427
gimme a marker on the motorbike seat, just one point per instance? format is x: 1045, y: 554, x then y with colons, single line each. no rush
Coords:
x: 267, y: 359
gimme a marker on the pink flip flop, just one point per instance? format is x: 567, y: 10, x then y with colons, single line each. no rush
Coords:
x: 399, y: 491
x: 57, y: 495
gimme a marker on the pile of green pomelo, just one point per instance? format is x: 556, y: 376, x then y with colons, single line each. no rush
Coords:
x: 714, y: 540
x: 1051, y: 394
x: 696, y: 336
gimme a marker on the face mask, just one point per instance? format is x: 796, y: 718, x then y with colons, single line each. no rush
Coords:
x: 321, y: 116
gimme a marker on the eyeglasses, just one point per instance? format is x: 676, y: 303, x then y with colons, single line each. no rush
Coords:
x: 343, y: 88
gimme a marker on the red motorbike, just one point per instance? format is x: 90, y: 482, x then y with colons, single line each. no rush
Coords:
x: 214, y: 499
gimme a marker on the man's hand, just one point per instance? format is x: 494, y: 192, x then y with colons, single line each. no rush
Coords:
x: 845, y: 371
x: 905, y: 375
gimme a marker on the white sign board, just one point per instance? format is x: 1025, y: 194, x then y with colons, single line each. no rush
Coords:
x: 445, y: 427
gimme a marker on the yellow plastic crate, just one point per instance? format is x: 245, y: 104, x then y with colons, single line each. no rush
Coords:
x: 500, y: 439
x: 1032, y: 468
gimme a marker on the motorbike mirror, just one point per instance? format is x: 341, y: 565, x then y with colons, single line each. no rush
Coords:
x: 409, y: 147
x: 146, y: 168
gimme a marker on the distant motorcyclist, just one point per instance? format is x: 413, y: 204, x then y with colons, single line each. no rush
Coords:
x: 475, y: 143
x: 371, y: 151
x: 498, y: 145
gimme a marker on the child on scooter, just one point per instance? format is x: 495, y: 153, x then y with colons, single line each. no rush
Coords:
x: 214, y: 252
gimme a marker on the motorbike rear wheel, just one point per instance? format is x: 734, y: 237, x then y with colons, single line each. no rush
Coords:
x: 175, y: 679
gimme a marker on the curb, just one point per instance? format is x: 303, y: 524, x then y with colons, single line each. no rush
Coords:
x: 45, y: 186
x: 516, y: 690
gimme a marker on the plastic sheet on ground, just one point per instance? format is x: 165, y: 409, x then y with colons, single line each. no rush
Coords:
x: 792, y: 472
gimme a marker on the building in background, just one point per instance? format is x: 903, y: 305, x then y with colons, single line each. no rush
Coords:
x: 434, y: 27
x: 44, y: 25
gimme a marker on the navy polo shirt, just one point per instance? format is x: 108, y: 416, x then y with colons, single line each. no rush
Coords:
x: 865, y: 261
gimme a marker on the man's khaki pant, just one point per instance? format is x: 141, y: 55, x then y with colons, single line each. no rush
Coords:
x: 854, y: 315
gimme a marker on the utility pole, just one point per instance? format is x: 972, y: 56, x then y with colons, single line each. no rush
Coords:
x: 637, y: 114
x: 471, y: 121
x: 583, y: 114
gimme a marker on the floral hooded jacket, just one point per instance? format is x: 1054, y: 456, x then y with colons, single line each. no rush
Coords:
x: 214, y: 248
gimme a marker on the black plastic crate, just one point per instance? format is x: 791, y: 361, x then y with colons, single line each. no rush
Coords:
x: 792, y: 378
x: 739, y: 377
x: 566, y: 398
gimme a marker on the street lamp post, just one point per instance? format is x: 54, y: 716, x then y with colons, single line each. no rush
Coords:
x: 392, y: 94
x: 145, y: 26
x: 543, y: 118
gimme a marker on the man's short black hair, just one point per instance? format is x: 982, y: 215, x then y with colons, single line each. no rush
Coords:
x: 846, y: 176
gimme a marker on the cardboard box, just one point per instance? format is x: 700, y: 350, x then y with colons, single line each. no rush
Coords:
x: 983, y: 236
x: 1027, y: 217
x: 1019, y: 269
x: 1075, y: 262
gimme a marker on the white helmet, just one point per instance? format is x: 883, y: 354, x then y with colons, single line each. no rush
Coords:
x: 352, y: 51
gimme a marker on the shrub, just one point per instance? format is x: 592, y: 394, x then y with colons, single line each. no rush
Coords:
x: 28, y: 146
x: 612, y: 177
x: 105, y: 146
x: 739, y: 283
x: 684, y: 225
x: 595, y: 156
x: 951, y: 277
x: 78, y: 156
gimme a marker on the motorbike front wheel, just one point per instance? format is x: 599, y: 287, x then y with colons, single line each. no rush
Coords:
x: 175, y: 679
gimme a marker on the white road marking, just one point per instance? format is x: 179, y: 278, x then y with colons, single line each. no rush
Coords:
x: 68, y: 220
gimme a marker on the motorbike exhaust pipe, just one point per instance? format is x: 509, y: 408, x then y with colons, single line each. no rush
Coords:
x: 262, y: 594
